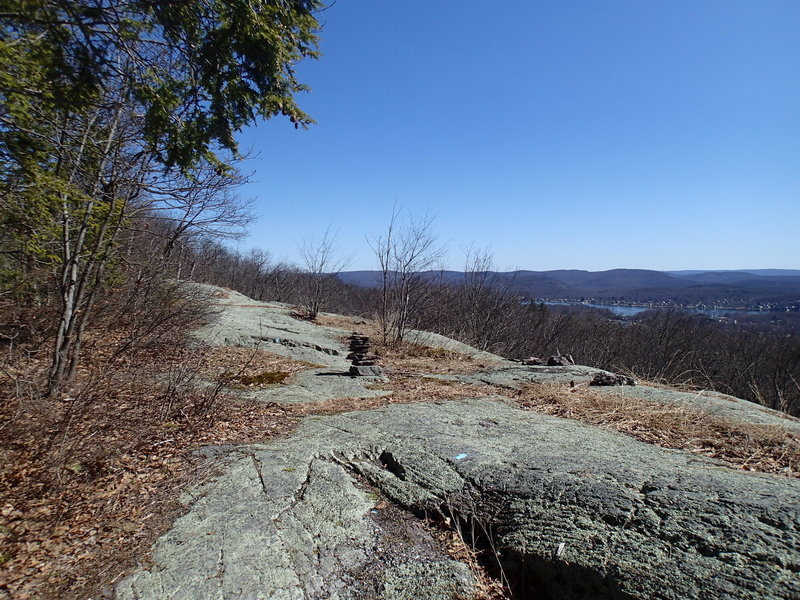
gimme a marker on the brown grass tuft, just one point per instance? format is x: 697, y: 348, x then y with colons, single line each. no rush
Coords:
x: 411, y: 358
x: 405, y: 390
x: 748, y: 446
x: 244, y: 366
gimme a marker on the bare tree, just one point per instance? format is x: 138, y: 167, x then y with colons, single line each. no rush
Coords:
x: 321, y: 262
x: 117, y: 189
x: 404, y: 254
x: 488, y: 308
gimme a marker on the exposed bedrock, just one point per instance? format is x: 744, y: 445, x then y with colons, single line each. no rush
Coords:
x: 572, y: 511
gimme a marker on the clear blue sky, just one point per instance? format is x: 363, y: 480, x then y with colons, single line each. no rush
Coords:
x: 562, y: 134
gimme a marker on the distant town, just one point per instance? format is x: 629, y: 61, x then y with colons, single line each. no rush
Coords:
x: 722, y: 306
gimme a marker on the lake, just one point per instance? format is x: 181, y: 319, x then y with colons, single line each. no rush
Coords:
x: 629, y: 311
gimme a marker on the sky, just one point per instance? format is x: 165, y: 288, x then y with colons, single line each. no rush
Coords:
x: 593, y: 134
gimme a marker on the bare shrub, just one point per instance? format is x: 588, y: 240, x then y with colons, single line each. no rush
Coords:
x: 322, y: 262
x: 404, y: 252
x: 151, y: 312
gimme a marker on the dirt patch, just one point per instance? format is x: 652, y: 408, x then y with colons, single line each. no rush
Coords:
x: 747, y: 446
x: 480, y: 561
x: 243, y: 364
x: 259, y: 379
x: 425, y: 537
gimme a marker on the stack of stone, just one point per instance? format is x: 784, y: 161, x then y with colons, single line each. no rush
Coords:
x: 532, y: 360
x: 560, y: 360
x: 363, y: 361
x: 612, y: 379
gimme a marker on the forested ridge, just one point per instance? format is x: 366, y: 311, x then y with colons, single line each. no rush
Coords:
x: 756, y: 359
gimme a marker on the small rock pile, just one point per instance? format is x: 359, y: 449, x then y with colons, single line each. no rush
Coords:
x: 363, y: 362
x: 532, y: 360
x: 557, y: 360
x: 609, y: 379
x: 560, y: 360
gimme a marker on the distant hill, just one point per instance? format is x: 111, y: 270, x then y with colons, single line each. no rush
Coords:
x: 779, y: 286
x: 762, y: 272
x: 361, y: 278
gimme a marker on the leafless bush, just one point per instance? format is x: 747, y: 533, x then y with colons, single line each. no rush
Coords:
x: 152, y: 311
x: 322, y: 262
x: 404, y: 252
x: 185, y: 395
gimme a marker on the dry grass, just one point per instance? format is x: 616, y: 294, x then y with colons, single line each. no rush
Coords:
x: 413, y: 388
x: 405, y: 390
x: 367, y: 326
x: 244, y: 367
x: 414, y: 358
x: 487, y: 587
x: 748, y: 446
x: 407, y: 357
x: 88, y: 481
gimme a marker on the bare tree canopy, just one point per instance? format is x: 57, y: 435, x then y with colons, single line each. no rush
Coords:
x: 404, y: 253
x: 322, y: 262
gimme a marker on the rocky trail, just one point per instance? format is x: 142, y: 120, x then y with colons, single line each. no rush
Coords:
x: 356, y: 503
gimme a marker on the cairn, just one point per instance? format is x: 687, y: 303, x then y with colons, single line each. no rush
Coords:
x: 560, y: 360
x: 363, y: 361
x: 612, y: 379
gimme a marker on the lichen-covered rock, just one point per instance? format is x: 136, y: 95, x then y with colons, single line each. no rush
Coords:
x: 572, y: 512
x: 428, y: 581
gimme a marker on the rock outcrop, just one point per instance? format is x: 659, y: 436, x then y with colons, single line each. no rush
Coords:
x: 560, y: 360
x: 564, y: 510
x: 573, y: 512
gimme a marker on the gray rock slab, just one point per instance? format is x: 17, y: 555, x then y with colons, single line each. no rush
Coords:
x: 315, y: 385
x: 241, y: 321
x: 516, y: 375
x: 571, y: 510
x: 286, y: 521
x: 366, y: 371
